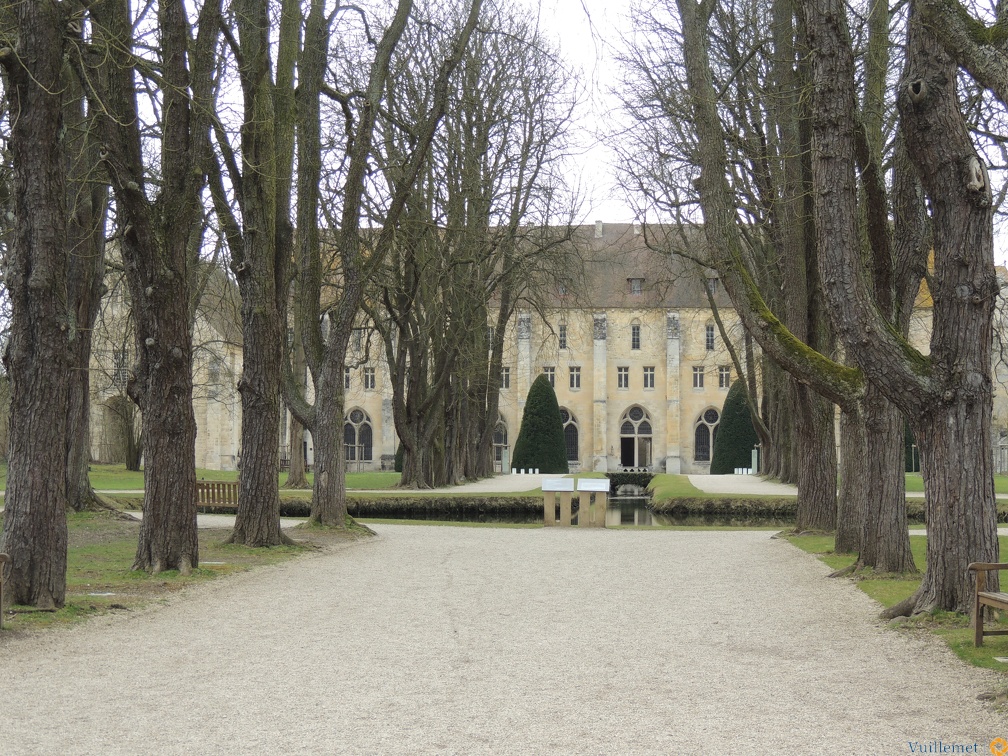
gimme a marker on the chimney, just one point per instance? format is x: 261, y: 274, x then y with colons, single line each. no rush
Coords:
x: 598, y: 229
x: 636, y: 228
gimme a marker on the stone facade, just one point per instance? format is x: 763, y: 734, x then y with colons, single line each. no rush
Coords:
x: 639, y: 367
x: 636, y: 360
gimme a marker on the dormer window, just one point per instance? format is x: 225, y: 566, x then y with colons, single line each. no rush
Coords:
x: 636, y: 286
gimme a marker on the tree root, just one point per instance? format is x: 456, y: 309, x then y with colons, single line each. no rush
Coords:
x: 105, y: 504
x: 850, y: 568
x: 904, y: 608
x: 285, y: 540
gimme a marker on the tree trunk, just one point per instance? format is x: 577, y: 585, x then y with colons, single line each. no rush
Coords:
x: 155, y: 250
x: 817, y: 470
x: 296, y: 477
x: 37, y: 356
x: 958, y: 473
x: 329, y: 490
x: 852, y: 501
x: 263, y: 332
x: 947, y: 396
x: 88, y: 203
x: 260, y: 262
x: 885, y: 543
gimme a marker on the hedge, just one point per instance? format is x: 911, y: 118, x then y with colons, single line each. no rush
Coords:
x: 735, y: 437
x: 540, y: 443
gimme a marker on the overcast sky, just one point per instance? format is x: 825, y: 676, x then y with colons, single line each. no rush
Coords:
x: 587, y: 31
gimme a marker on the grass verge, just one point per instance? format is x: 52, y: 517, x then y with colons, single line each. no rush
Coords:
x: 100, y: 579
x: 914, y: 482
x: 118, y: 478
x: 889, y: 589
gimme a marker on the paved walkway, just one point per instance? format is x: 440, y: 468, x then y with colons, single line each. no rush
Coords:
x: 501, y: 641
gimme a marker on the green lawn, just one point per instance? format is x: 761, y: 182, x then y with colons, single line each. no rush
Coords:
x: 914, y: 482
x: 673, y: 487
x: 100, y: 578
x: 118, y: 478
x: 890, y: 589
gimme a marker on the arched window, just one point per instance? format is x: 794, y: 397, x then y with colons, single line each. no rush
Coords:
x: 570, y: 427
x: 500, y: 443
x: 704, y: 434
x: 357, y: 436
x: 635, y: 438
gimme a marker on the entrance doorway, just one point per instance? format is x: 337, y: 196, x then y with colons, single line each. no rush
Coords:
x: 635, y: 438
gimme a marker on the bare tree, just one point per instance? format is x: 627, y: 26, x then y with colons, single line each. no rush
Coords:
x: 159, y: 215
x: 488, y: 211
x: 946, y: 396
x: 746, y: 163
x: 260, y: 240
x: 326, y: 355
x: 87, y: 204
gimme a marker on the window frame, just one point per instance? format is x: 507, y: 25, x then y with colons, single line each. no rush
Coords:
x: 574, y: 378
x: 724, y: 376
x: 698, y: 376
x: 550, y: 372
x: 649, y: 377
x: 622, y: 377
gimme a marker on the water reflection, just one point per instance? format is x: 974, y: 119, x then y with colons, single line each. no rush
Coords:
x: 630, y: 511
x: 622, y: 511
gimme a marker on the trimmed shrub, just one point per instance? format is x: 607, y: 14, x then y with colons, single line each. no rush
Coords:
x: 640, y: 479
x: 735, y: 434
x: 540, y: 441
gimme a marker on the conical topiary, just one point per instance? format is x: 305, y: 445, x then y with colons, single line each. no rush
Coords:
x: 735, y: 436
x: 540, y: 441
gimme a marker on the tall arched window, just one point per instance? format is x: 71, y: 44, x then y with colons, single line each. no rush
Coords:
x: 500, y: 443
x: 635, y: 438
x: 357, y: 436
x: 570, y: 427
x: 704, y: 433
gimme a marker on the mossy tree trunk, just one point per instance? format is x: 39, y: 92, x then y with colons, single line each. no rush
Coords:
x: 947, y: 396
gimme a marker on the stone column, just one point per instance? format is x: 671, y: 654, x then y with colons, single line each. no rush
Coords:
x: 523, y: 377
x: 388, y: 436
x: 673, y: 422
x: 600, y: 392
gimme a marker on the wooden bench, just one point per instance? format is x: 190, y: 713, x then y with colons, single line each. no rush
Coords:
x: 216, y: 494
x: 982, y: 597
x: 3, y: 560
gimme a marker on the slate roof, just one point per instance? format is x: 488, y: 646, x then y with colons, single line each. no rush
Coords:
x: 619, y: 254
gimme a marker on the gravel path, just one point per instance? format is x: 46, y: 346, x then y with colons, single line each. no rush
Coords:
x: 498, y: 641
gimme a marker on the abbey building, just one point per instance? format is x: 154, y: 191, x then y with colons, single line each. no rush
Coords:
x: 636, y: 357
